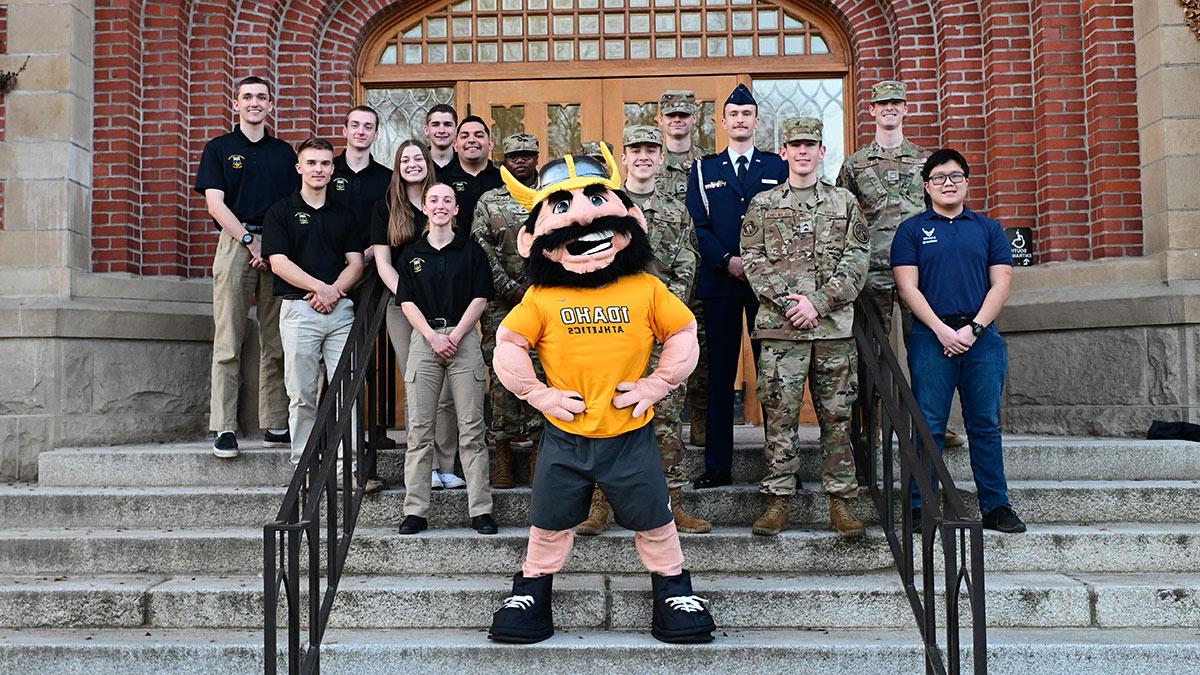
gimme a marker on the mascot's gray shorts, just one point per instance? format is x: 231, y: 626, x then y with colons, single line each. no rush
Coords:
x: 627, y: 468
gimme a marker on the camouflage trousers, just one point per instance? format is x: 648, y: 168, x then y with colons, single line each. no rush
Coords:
x: 697, y: 384
x: 510, y: 415
x: 668, y: 429
x: 880, y: 293
x: 830, y: 367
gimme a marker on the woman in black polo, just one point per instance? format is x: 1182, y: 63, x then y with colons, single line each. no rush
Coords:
x: 444, y: 283
x: 396, y: 221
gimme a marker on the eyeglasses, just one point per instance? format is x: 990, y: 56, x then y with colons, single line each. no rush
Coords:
x: 940, y: 178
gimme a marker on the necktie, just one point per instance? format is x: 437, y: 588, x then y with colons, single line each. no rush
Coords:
x: 742, y: 162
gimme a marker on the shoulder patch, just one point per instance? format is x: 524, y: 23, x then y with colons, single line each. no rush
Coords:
x: 749, y: 225
x: 861, y: 233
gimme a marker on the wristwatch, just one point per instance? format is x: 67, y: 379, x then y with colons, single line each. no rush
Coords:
x: 247, y: 239
x: 976, y: 329
x: 725, y: 259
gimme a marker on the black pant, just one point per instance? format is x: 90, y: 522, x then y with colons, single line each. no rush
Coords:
x: 723, y: 328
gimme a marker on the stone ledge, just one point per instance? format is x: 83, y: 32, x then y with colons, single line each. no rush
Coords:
x: 1105, y: 305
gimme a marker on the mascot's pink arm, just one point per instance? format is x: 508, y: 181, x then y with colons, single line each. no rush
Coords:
x: 678, y: 359
x: 515, y: 370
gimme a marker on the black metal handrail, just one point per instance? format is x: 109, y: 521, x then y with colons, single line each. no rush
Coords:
x: 350, y: 425
x: 883, y: 388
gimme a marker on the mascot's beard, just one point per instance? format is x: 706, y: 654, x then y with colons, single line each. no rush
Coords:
x: 632, y: 259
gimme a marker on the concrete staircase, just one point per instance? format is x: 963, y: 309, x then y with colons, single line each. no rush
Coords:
x: 148, y: 559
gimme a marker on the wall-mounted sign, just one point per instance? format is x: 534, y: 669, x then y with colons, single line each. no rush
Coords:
x: 1020, y: 240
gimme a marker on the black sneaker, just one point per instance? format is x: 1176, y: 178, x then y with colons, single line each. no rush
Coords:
x: 1003, y: 519
x: 413, y: 525
x: 525, y: 616
x: 679, y: 615
x: 225, y: 446
x: 484, y: 524
x: 711, y: 479
x: 273, y: 440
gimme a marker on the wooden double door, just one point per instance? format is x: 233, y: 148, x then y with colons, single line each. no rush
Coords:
x: 563, y: 114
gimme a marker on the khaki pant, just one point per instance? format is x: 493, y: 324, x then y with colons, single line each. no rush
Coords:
x: 424, y: 379
x: 446, y: 441
x: 234, y: 283
x: 308, y: 337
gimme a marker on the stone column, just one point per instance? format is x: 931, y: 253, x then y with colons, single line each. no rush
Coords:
x: 87, y: 358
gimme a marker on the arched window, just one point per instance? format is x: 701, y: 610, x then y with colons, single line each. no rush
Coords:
x: 577, y: 70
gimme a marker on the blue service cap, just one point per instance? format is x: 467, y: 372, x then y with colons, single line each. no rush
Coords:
x: 741, y: 96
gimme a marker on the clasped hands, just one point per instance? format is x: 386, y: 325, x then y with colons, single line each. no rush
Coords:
x: 955, y: 342
x: 802, y: 315
x: 324, y: 298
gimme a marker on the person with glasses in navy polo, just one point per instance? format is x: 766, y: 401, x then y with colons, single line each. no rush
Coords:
x: 953, y: 268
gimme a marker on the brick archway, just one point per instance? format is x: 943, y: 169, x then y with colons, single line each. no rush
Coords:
x: 1049, y: 124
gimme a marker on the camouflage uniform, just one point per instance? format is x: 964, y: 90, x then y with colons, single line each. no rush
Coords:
x: 675, y: 259
x: 888, y: 185
x: 497, y: 218
x: 818, y: 248
x: 672, y: 179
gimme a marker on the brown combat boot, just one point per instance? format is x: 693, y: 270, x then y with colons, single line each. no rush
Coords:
x: 775, y: 519
x: 952, y: 440
x: 842, y: 520
x: 533, y: 448
x: 685, y: 522
x: 696, y: 426
x: 597, y: 518
x: 502, y: 473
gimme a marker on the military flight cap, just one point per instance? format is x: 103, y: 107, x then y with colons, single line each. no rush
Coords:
x: 677, y: 101
x: 641, y: 133
x: 802, y: 129
x: 741, y: 96
x: 520, y: 142
x: 889, y: 90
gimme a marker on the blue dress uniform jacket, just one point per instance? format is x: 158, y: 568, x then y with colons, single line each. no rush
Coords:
x: 718, y: 228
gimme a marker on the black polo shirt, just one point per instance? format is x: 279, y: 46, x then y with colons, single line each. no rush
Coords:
x: 468, y: 189
x: 443, y: 168
x: 442, y: 283
x: 253, y: 175
x: 380, y: 215
x: 317, y: 240
x: 359, y: 191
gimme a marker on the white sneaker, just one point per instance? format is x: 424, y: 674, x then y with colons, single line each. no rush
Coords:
x: 452, y: 482
x: 436, y: 483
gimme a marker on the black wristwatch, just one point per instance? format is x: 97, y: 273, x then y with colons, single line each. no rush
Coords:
x: 725, y: 259
x: 247, y: 239
x: 976, y: 329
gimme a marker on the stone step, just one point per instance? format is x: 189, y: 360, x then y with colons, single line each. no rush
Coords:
x: 1026, y: 458
x: 217, y: 506
x: 1102, y: 547
x: 224, y: 652
x: 873, y: 599
x: 382, y: 551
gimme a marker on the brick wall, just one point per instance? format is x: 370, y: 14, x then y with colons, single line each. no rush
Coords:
x: 1040, y: 96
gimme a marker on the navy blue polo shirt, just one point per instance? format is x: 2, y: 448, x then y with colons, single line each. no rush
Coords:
x: 443, y: 282
x: 952, y: 256
x: 253, y: 175
x: 316, y: 240
x: 359, y: 191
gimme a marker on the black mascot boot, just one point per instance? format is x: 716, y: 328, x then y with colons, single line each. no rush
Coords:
x: 679, y: 615
x: 525, y: 617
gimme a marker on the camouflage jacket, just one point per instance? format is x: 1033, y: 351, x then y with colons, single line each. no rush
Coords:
x: 672, y: 177
x: 494, y: 227
x: 817, y: 249
x: 889, y: 188
x: 672, y: 241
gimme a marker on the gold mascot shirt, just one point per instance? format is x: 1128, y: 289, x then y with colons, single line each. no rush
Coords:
x: 591, y: 339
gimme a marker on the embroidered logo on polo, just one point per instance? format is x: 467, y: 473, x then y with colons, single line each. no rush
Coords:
x: 302, y: 217
x: 459, y: 185
x: 341, y: 184
x: 592, y: 320
x: 236, y: 161
x: 930, y: 236
x: 417, y: 264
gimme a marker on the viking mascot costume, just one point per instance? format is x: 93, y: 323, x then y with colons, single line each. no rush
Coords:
x: 593, y: 314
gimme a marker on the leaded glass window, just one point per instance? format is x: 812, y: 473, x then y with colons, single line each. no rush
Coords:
x: 515, y: 31
x: 784, y: 98
x: 402, y: 115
